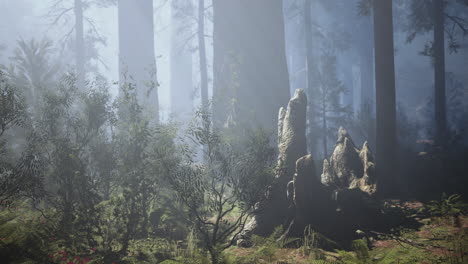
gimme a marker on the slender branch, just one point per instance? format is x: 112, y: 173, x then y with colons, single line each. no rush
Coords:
x: 461, y: 23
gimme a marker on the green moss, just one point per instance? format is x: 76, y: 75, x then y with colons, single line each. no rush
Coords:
x: 401, y: 255
x: 321, y: 261
x: 170, y: 262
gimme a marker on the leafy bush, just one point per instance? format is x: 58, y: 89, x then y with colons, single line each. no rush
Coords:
x: 24, y: 235
x: 447, y: 206
x: 220, y: 193
x: 362, y: 251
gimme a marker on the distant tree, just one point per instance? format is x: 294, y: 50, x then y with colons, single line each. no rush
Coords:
x: 366, y: 64
x: 83, y: 42
x: 195, y: 18
x: 457, y: 109
x: 32, y: 67
x: 182, y: 90
x: 311, y: 72
x: 202, y: 53
x: 2, y: 48
x: 444, y: 18
x: 249, y: 36
x: 137, y: 60
x: 221, y: 193
x: 386, y: 142
x: 331, y: 114
x: 363, y: 124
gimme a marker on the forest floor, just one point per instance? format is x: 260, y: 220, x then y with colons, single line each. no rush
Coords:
x: 25, y: 236
x: 438, y: 239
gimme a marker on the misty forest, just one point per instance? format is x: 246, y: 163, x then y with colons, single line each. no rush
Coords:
x: 234, y: 131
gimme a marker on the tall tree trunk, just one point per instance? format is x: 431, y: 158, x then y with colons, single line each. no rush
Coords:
x: 366, y: 57
x: 385, y: 97
x: 182, y: 100
x: 250, y: 70
x: 366, y: 53
x: 324, y: 128
x: 79, y: 45
x: 202, y: 53
x: 307, y: 9
x: 439, y: 72
x: 308, y: 47
x: 348, y: 80
x: 136, y: 52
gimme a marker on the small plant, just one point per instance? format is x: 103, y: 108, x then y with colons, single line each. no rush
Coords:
x: 310, y: 243
x: 362, y: 251
x: 266, y: 252
x: 447, y: 206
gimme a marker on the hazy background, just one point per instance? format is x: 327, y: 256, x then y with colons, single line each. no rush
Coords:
x: 29, y: 19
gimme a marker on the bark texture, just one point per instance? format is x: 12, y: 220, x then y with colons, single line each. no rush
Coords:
x: 385, y: 97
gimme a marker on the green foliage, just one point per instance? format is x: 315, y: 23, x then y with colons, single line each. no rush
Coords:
x: 32, y: 68
x: 13, y: 107
x: 365, y: 7
x: 420, y: 21
x: 447, y: 206
x: 401, y: 254
x: 23, y: 176
x: 360, y: 254
x: 362, y: 251
x: 322, y: 261
x: 168, y: 261
x: 329, y: 112
x: 309, y: 241
x: 68, y: 123
x: 24, y: 234
x: 222, y: 185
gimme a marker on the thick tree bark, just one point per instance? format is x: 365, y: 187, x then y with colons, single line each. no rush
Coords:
x: 79, y: 45
x: 251, y: 79
x: 136, y: 47
x: 439, y: 72
x: 385, y: 97
x: 202, y: 53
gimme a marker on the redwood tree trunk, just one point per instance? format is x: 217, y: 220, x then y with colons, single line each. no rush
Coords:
x: 136, y: 52
x: 385, y: 97
x: 311, y: 116
x: 251, y: 80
